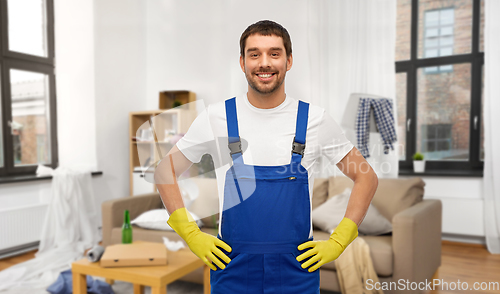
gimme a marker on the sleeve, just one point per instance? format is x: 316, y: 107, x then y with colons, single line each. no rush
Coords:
x: 198, y: 140
x: 332, y: 140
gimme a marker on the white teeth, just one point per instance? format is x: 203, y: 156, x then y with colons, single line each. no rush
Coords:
x: 265, y: 75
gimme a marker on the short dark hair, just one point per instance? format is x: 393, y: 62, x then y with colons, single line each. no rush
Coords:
x: 266, y: 28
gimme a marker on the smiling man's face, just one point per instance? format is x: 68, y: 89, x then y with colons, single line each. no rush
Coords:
x: 265, y: 63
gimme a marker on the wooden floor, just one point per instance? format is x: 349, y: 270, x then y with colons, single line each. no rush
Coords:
x: 468, y: 263
x: 7, y: 262
x: 460, y: 262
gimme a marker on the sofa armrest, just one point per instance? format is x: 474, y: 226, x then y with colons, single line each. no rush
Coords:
x: 416, y: 241
x: 112, y: 211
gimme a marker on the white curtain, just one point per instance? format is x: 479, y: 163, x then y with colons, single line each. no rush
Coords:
x: 352, y: 50
x: 70, y: 227
x: 491, y: 118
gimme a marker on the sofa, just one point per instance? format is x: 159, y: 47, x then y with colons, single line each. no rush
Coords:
x: 410, y: 253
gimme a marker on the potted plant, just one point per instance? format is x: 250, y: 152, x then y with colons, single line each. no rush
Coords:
x: 176, y: 103
x: 418, y: 162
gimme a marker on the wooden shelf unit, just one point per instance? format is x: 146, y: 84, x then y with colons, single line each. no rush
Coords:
x: 147, y: 145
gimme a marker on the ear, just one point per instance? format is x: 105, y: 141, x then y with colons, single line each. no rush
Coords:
x: 242, y: 63
x: 289, y: 62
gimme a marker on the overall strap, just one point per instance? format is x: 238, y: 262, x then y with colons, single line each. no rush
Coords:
x: 233, y: 135
x: 299, y: 141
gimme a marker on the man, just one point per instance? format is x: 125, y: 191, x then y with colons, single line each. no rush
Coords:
x: 264, y: 244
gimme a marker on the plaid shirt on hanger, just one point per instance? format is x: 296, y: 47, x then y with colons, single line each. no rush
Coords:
x: 382, y: 110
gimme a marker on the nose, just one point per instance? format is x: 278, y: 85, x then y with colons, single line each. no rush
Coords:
x: 265, y: 61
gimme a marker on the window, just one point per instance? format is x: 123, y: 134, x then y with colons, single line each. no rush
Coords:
x: 436, y: 140
x: 27, y: 83
x: 438, y: 36
x: 439, y: 64
x: 444, y: 99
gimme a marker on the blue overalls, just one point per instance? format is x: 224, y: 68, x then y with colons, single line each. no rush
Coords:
x: 264, y: 230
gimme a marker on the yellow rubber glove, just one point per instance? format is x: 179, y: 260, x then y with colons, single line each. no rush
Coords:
x: 202, y: 244
x: 327, y: 251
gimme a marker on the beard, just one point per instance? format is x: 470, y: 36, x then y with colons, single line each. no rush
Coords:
x: 264, y: 88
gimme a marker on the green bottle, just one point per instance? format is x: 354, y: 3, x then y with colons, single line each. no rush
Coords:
x: 126, y: 229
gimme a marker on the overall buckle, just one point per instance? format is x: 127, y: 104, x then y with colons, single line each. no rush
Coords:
x: 298, y: 147
x: 235, y: 147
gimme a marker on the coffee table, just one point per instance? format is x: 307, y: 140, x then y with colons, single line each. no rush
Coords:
x: 180, y: 263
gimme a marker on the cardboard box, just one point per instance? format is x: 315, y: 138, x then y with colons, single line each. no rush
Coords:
x: 135, y: 254
x: 167, y: 98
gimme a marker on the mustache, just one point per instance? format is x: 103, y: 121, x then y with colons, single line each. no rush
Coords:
x: 264, y: 71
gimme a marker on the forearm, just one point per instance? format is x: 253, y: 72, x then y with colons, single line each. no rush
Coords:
x: 362, y: 193
x: 175, y: 163
x: 170, y: 196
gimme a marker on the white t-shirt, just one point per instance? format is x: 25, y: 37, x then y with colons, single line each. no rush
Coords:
x: 266, y: 136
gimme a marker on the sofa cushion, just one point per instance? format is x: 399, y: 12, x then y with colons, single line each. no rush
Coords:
x: 139, y: 204
x: 156, y: 219
x: 206, y: 206
x: 328, y: 215
x: 380, y: 252
x: 320, y: 192
x: 392, y: 195
x: 396, y: 195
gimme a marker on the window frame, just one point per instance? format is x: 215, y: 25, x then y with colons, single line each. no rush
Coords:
x: 21, y: 61
x: 474, y: 166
